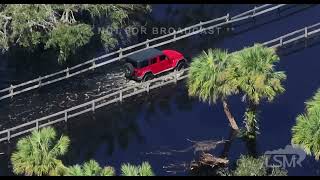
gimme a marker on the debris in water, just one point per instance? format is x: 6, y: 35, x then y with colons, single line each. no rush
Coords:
x: 203, y: 146
x: 175, y: 168
x: 159, y: 153
x: 207, y: 159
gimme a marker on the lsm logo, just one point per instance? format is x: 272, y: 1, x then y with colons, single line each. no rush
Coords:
x: 288, y: 157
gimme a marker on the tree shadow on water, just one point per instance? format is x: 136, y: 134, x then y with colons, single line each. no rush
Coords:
x: 118, y: 126
x: 166, y: 101
x: 115, y: 128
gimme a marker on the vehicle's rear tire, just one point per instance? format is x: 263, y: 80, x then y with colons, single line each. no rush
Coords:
x: 128, y: 70
x: 147, y: 77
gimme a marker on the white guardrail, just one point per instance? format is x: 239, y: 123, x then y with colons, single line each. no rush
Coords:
x: 122, y: 53
x: 119, y: 96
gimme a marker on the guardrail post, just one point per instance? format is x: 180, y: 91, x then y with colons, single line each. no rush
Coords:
x: 66, y: 116
x: 121, y: 95
x: 93, y: 106
x: 9, y: 136
x: 281, y: 41
x: 254, y: 13
x: 200, y: 25
x: 228, y: 17
x: 175, y: 76
x: 148, y: 87
x: 174, y: 35
x: 120, y: 53
x: 11, y: 90
x: 39, y: 81
x: 93, y: 65
x: 68, y: 73
x: 306, y: 32
x: 147, y: 43
x: 37, y: 125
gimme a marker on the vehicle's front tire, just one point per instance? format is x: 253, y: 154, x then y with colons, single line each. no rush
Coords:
x: 147, y: 77
x: 181, y: 66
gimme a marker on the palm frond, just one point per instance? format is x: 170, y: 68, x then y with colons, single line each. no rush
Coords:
x: 38, y: 153
x: 256, y: 74
x: 306, y: 131
x: 210, y: 76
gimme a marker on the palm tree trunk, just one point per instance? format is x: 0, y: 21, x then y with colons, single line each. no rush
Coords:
x: 227, y: 145
x: 231, y: 119
x: 251, y: 120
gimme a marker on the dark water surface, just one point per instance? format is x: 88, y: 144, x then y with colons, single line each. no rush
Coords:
x: 146, y: 128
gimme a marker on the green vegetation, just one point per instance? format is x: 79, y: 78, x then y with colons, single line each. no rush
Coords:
x: 306, y: 132
x: 211, y: 78
x: 217, y: 75
x: 141, y: 170
x: 257, y: 80
x: 250, y: 166
x: 38, y: 155
x: 90, y: 168
x: 64, y: 27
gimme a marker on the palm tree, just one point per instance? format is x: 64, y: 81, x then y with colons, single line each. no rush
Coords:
x: 306, y: 132
x: 38, y: 154
x: 90, y: 168
x: 210, y: 78
x: 141, y: 170
x: 257, y: 80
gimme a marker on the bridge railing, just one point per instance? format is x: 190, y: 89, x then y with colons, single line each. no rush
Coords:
x: 294, y: 36
x: 119, y: 96
x: 124, y: 52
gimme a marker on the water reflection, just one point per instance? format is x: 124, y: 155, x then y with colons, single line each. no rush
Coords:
x: 118, y: 126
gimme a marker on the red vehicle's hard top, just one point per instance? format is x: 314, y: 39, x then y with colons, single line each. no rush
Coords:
x: 144, y: 55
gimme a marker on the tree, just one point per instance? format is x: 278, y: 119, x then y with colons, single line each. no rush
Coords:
x: 211, y: 79
x: 257, y: 80
x: 65, y: 27
x: 90, y: 168
x: 306, y: 131
x: 250, y: 166
x: 38, y: 154
x: 142, y: 170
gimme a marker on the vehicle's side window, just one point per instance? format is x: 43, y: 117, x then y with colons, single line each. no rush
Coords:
x: 153, y: 60
x: 163, y: 57
x: 143, y: 64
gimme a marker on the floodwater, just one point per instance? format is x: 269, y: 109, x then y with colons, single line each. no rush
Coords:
x: 149, y: 127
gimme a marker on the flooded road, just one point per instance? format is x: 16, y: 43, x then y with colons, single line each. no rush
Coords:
x: 148, y: 127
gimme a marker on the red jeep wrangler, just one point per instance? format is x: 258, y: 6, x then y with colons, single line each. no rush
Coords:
x: 148, y: 63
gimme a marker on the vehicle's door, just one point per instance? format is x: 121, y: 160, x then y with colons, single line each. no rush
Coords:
x: 164, y: 62
x: 154, y: 65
